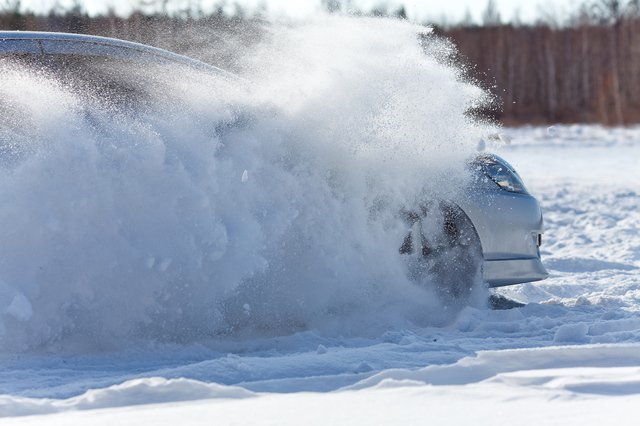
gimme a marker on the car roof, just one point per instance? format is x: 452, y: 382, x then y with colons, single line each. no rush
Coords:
x: 50, y: 43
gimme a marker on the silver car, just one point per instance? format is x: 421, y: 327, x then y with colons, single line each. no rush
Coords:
x: 494, y: 230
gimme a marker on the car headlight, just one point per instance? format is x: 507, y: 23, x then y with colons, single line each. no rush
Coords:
x: 501, y: 172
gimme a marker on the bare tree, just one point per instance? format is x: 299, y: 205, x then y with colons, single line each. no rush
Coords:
x: 467, y: 19
x: 491, y: 16
x: 155, y: 4
x: 12, y: 9
x: 12, y: 6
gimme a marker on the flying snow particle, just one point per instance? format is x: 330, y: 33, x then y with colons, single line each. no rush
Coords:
x: 552, y: 131
x: 20, y: 308
x: 505, y: 139
x: 164, y: 265
x: 215, y: 255
x: 245, y: 176
x: 481, y: 145
x: 149, y: 262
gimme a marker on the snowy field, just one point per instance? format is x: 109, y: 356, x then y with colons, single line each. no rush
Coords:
x: 190, y: 264
x: 572, y: 354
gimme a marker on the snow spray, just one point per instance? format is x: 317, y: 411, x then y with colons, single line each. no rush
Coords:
x: 212, y: 209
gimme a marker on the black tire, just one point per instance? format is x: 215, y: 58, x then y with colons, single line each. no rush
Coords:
x: 443, y: 250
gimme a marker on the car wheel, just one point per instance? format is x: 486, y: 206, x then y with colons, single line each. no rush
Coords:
x: 443, y: 250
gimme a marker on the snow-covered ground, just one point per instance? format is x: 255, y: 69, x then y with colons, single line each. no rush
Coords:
x: 570, y: 355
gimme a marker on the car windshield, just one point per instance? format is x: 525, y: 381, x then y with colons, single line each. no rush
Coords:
x: 118, y: 79
x: 125, y: 75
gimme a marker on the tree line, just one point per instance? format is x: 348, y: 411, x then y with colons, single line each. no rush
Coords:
x: 585, y: 70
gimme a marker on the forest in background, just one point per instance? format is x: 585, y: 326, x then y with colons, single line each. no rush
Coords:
x: 586, y: 69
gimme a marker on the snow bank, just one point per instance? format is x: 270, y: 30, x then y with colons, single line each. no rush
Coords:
x: 567, y: 375
x: 495, y: 364
x: 154, y: 390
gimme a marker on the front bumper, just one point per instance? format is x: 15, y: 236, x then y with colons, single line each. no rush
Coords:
x: 510, y: 227
x: 513, y: 271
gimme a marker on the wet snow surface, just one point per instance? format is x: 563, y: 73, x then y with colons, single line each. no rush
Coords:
x: 574, y: 347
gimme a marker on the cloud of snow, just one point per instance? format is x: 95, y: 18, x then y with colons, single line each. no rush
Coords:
x: 202, y: 210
